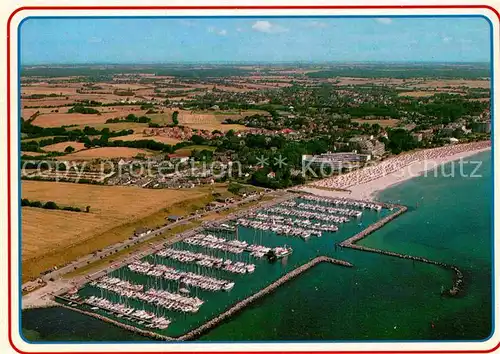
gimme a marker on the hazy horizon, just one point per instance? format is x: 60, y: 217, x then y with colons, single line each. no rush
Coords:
x: 52, y: 41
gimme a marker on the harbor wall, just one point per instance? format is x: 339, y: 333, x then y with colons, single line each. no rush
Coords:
x: 458, y: 278
x: 193, y: 334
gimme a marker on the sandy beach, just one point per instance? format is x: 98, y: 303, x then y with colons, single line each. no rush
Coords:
x: 367, y: 182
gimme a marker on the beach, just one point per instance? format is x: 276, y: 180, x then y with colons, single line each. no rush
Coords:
x: 367, y: 182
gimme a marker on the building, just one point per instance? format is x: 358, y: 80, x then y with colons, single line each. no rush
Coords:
x: 482, y: 127
x: 368, y: 145
x: 417, y: 136
x: 336, y: 161
x: 427, y: 134
x: 179, y: 158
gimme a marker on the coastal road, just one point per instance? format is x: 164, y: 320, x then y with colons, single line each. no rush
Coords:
x: 57, y: 285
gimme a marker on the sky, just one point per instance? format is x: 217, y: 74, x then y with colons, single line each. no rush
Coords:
x: 264, y: 39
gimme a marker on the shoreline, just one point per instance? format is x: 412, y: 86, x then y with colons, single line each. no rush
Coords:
x: 421, y: 170
x: 370, y: 190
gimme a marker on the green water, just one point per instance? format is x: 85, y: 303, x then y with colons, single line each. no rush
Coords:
x: 380, y: 298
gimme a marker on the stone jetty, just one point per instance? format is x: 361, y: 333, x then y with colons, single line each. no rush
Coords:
x: 225, y: 315
x: 458, y: 279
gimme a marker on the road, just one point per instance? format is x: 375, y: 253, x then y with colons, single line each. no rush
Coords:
x: 57, y: 285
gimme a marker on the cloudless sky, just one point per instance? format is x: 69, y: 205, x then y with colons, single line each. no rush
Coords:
x: 167, y: 40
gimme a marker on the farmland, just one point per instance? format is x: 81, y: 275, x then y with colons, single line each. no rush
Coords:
x: 112, y: 218
x: 105, y: 153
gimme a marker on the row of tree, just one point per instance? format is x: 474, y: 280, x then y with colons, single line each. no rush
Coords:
x: 50, y: 205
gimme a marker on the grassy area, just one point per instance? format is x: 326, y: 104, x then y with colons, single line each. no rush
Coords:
x: 66, y: 236
x: 25, y: 140
x: 161, y: 118
x: 186, y: 151
x: 123, y: 254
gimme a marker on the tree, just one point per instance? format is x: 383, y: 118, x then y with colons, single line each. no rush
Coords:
x: 69, y: 149
x: 50, y: 205
x: 175, y: 117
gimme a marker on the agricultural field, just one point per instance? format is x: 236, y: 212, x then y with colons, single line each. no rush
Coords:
x: 64, y: 118
x: 113, y: 217
x: 105, y: 153
x: 141, y: 136
x: 382, y: 122
x: 60, y: 147
x: 187, y: 150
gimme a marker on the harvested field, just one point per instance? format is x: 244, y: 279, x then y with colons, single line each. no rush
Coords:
x: 203, y: 121
x: 31, y: 153
x: 104, y: 153
x: 60, y: 119
x: 29, y: 112
x: 140, y: 136
x: 47, y: 90
x: 114, y: 127
x: 112, y: 218
x: 37, y: 139
x: 417, y: 93
x: 60, y: 147
x: 49, y: 102
x: 381, y: 122
x: 64, y: 118
x: 454, y: 83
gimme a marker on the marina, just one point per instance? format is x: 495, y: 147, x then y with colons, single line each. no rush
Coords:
x: 197, y: 282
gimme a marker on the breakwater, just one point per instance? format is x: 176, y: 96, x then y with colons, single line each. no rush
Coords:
x: 226, y: 314
x: 458, y: 279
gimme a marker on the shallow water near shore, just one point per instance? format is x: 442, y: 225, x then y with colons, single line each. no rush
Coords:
x: 380, y: 298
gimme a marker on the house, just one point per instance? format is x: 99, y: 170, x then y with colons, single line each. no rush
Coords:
x: 417, y: 136
x: 426, y: 134
x: 179, y: 158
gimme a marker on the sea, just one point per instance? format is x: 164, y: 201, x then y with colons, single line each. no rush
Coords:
x: 381, y: 298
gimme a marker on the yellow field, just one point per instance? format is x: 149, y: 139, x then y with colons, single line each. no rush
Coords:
x: 31, y: 153
x: 55, y: 237
x: 104, y: 153
x: 417, y: 93
x: 60, y: 147
x: 140, y: 136
x: 136, y: 127
x: 381, y: 122
x: 206, y: 120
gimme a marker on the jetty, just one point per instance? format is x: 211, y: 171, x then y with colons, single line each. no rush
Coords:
x: 458, y: 282
x: 304, y: 216
x: 195, y: 333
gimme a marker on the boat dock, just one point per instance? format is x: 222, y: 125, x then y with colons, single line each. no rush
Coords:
x: 195, y: 333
